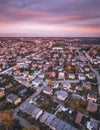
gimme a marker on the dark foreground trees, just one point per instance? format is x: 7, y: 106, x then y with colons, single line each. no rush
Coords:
x: 7, y: 119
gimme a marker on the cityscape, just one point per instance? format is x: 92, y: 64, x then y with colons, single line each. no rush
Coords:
x: 49, y: 65
x: 53, y: 83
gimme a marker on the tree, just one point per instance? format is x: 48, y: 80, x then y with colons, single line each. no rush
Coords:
x: 31, y: 127
x: 50, y: 83
x: 76, y: 105
x: 7, y: 119
x: 68, y: 67
x: 83, y: 103
x: 98, y: 48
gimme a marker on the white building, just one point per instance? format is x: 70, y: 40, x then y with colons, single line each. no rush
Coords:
x: 48, y: 90
x: 61, y: 95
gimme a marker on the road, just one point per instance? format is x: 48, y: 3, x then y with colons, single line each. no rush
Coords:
x: 5, y: 71
x: 22, y: 82
x: 98, y: 79
x: 96, y: 73
x: 66, y: 81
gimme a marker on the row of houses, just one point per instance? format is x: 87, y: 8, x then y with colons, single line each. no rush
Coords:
x: 45, y: 118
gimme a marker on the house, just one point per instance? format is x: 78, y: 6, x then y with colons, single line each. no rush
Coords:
x: 61, y: 95
x: 55, y: 85
x: 16, y: 72
x: 66, y: 86
x: 37, y: 113
x: 91, y: 75
x: 79, y: 117
x: 23, y: 92
x: 76, y: 97
x: 87, y: 85
x: 92, y: 107
x: 50, y: 119
x: 55, y: 123
x: 73, y: 63
x: 71, y: 76
x: 9, y: 85
x: 36, y: 82
x: 48, y: 90
x: 2, y: 92
x: 92, y: 97
x: 41, y: 76
x: 44, y: 116
x: 13, y: 99
x: 3, y: 80
x: 68, y: 127
x: 92, y: 124
x: 31, y: 110
x: 61, y: 75
x: 79, y: 88
x: 60, y: 125
x: 81, y: 76
x: 52, y: 74
x: 87, y: 69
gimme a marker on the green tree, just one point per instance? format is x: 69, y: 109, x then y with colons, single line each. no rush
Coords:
x: 76, y: 105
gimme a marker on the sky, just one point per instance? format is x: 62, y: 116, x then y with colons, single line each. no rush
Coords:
x: 51, y: 18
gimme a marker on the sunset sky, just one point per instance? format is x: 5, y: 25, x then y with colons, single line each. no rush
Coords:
x: 50, y: 18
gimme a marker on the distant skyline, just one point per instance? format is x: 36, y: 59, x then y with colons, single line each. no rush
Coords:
x: 50, y: 18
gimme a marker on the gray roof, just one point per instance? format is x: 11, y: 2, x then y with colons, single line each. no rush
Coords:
x: 9, y: 85
x: 2, y: 89
x: 29, y: 108
x: 35, y: 112
x: 44, y: 117
x: 23, y: 91
x: 94, y: 124
x: 60, y: 125
x: 67, y: 127
x: 55, y: 122
x: 50, y: 118
x: 63, y: 93
x: 12, y: 97
x: 76, y: 96
x: 48, y: 89
x: 73, y: 128
x: 37, y: 80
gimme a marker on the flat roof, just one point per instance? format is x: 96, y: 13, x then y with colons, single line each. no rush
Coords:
x: 55, y: 122
x: 50, y: 118
x: 35, y: 112
x: 48, y: 89
x: 67, y: 126
x: 29, y: 108
x: 44, y: 117
x: 62, y: 93
x: 60, y: 125
x: 12, y: 97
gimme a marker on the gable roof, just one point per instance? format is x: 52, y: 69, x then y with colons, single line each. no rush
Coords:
x: 92, y: 107
x: 78, y: 117
x: 12, y: 97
